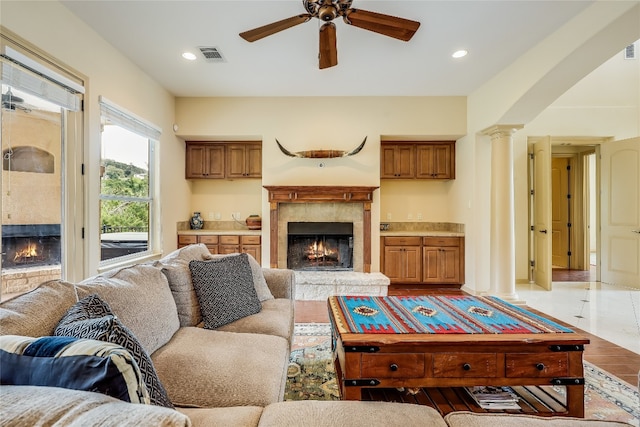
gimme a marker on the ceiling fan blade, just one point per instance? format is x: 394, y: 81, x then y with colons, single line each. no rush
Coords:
x: 392, y: 26
x: 274, y: 27
x: 328, y: 51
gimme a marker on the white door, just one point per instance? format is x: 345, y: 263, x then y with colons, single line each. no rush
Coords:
x: 542, y: 212
x: 620, y: 212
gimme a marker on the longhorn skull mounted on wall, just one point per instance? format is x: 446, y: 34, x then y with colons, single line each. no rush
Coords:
x: 321, y: 154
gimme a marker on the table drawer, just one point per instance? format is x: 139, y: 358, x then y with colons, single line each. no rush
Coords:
x: 187, y: 239
x: 250, y: 240
x: 392, y: 365
x: 456, y: 365
x: 208, y: 240
x: 537, y: 364
x: 229, y: 240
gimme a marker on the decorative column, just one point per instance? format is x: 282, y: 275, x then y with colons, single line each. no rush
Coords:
x: 502, y: 257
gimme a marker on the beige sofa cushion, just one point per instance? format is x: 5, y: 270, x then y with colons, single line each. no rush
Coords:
x: 37, y: 312
x: 47, y: 406
x: 313, y: 413
x: 275, y: 318
x: 237, y: 416
x: 141, y: 298
x: 470, y: 419
x: 175, y: 267
x: 210, y: 368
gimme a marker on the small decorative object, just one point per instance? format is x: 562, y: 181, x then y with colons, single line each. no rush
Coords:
x: 196, y: 221
x: 254, y: 222
x: 384, y: 226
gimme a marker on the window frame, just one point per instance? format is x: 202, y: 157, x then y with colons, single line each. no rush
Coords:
x: 135, y: 124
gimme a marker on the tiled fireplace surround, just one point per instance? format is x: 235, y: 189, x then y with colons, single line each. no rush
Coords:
x: 326, y: 204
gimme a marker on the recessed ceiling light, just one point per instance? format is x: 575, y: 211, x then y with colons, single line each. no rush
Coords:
x: 189, y: 56
x: 459, y: 53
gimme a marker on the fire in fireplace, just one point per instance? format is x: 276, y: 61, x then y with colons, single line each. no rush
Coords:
x: 30, y: 245
x: 320, y: 246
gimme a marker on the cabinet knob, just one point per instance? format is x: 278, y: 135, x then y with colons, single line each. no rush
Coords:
x: 466, y: 366
x: 393, y: 367
x: 540, y: 366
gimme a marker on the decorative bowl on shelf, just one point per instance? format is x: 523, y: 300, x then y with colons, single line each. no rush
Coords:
x: 254, y: 222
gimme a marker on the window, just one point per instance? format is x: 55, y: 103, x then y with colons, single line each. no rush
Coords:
x: 127, y: 190
x: 40, y: 119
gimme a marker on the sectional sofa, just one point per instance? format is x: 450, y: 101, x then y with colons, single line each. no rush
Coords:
x: 230, y: 375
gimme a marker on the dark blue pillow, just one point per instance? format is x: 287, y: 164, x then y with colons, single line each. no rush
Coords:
x: 77, y: 364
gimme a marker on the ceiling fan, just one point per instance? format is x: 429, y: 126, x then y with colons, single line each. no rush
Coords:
x: 327, y: 11
x: 11, y: 102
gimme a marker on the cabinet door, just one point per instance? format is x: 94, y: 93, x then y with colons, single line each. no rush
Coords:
x: 253, y: 161
x: 393, y: 261
x: 244, y: 161
x: 235, y: 161
x: 402, y: 264
x: 204, y: 161
x: 253, y: 250
x: 435, y: 161
x: 215, y: 161
x: 397, y: 161
x: 195, y: 161
x: 441, y: 264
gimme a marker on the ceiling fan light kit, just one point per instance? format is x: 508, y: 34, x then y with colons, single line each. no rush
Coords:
x: 328, y: 10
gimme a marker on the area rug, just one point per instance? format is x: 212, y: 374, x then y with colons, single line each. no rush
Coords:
x: 311, y: 376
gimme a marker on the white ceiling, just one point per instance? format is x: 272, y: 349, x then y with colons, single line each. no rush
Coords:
x: 153, y: 34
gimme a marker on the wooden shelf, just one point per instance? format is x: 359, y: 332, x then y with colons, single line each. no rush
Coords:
x: 534, y: 400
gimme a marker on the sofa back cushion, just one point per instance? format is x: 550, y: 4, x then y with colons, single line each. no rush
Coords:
x: 37, y: 312
x: 140, y: 297
x: 92, y: 318
x: 175, y: 266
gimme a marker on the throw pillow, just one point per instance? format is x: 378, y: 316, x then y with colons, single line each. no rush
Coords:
x: 260, y: 283
x: 78, y: 364
x: 92, y: 318
x: 225, y: 290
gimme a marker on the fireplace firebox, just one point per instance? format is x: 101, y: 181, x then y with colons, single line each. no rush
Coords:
x: 31, y: 245
x: 320, y: 246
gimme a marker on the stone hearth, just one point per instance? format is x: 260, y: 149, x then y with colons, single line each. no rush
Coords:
x: 319, y: 285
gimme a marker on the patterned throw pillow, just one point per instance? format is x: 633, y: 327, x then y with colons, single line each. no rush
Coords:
x: 78, y: 364
x: 260, y: 283
x: 225, y: 290
x: 92, y: 318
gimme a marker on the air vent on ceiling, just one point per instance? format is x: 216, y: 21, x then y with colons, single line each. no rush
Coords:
x: 212, y: 54
x: 630, y: 51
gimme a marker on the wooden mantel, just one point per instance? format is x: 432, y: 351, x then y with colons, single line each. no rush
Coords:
x: 320, y: 194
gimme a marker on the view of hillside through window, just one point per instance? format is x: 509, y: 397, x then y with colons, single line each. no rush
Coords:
x: 124, y: 192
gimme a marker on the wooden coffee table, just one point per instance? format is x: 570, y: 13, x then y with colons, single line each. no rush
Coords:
x: 443, y: 364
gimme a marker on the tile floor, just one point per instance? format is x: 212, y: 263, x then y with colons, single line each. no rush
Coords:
x: 608, y: 311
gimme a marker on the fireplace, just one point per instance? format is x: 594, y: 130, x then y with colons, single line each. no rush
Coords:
x: 320, y: 246
x: 25, y: 246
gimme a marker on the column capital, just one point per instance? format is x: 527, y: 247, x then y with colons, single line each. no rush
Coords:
x: 501, y: 131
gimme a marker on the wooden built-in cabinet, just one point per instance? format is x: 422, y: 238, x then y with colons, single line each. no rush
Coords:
x: 225, y: 243
x: 204, y: 161
x: 402, y: 259
x: 219, y: 160
x: 423, y: 260
x: 417, y: 160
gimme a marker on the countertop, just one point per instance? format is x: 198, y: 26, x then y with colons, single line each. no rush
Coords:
x: 421, y: 233
x: 221, y: 232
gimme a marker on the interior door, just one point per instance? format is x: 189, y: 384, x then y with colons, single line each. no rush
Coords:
x: 542, y: 212
x: 620, y: 212
x: 560, y: 212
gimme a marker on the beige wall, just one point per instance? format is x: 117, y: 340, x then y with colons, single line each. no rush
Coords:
x: 339, y: 123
